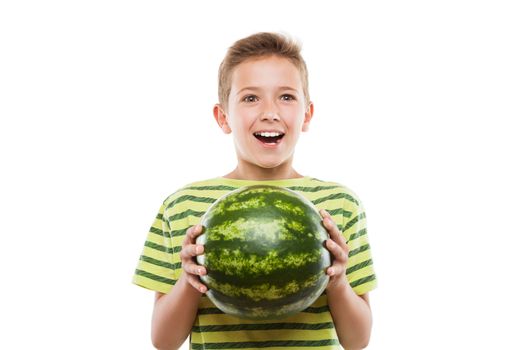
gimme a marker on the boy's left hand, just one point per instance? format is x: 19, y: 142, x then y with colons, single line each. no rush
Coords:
x: 337, y: 246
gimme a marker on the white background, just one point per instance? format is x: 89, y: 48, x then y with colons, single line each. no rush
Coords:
x: 106, y: 109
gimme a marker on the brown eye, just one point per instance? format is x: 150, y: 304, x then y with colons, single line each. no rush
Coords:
x: 250, y: 98
x: 288, y: 97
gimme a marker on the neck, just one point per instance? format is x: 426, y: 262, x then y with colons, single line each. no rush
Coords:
x: 252, y: 172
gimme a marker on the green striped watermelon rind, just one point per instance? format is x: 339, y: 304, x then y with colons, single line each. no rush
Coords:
x: 249, y: 274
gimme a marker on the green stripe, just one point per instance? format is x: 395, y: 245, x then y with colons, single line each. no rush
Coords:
x: 354, y: 220
x: 262, y: 327
x: 311, y: 189
x: 359, y: 250
x: 186, y: 198
x: 317, y: 310
x: 155, y: 277
x: 230, y: 188
x: 210, y: 311
x: 211, y: 188
x: 160, y: 263
x: 358, y: 266
x: 308, y: 310
x: 336, y: 196
x: 357, y: 235
x: 177, y: 233
x: 162, y: 248
x: 346, y: 213
x: 156, y: 231
x: 266, y: 344
x: 363, y: 280
x: 186, y: 214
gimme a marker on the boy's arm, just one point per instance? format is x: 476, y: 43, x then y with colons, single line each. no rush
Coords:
x: 174, y: 313
x: 351, y: 313
x: 352, y: 316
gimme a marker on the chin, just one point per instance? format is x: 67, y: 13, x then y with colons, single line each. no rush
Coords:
x: 269, y: 165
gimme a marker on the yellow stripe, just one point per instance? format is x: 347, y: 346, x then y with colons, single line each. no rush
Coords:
x: 157, y: 254
x: 205, y: 302
x: 361, y: 273
x: 157, y: 270
x: 158, y: 239
x: 177, y: 242
x: 267, y: 335
x: 365, y: 287
x: 151, y: 284
x: 224, y: 319
x: 359, y: 258
x: 328, y: 347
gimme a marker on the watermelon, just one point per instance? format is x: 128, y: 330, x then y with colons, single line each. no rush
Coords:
x: 264, y: 252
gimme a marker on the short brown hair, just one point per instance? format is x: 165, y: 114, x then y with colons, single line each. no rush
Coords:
x: 256, y: 46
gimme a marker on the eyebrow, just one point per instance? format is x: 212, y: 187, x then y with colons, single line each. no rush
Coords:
x: 255, y: 88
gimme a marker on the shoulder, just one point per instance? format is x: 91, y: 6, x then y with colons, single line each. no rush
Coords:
x: 192, y: 189
x: 337, y: 189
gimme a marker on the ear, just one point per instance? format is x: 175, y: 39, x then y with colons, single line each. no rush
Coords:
x: 220, y: 118
x: 308, y: 114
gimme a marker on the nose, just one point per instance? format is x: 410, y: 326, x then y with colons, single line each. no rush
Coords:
x: 270, y: 115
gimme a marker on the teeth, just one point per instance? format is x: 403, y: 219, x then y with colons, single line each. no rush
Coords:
x: 268, y: 134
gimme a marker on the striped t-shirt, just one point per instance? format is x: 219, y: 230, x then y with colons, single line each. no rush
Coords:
x: 159, y: 266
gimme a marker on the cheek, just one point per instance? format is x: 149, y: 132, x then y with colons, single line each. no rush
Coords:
x: 245, y: 120
x: 240, y: 126
x: 293, y: 112
x: 295, y: 122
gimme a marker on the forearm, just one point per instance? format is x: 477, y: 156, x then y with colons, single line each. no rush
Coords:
x: 174, y: 315
x: 352, y: 316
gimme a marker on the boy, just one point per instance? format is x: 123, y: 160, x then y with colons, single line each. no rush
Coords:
x: 264, y: 103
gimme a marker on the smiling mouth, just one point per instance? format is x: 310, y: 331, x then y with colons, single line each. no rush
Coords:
x: 269, y: 138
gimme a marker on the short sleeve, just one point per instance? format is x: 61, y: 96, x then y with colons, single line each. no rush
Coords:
x: 157, y: 269
x: 360, y: 269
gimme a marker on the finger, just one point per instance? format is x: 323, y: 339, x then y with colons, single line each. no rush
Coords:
x: 330, y: 225
x: 335, y: 270
x: 328, y: 222
x: 187, y: 239
x: 191, y: 233
x: 337, y: 236
x: 332, y: 228
x: 194, y: 269
x: 191, y: 250
x: 324, y: 213
x: 197, y: 230
x: 196, y: 283
x: 337, y: 251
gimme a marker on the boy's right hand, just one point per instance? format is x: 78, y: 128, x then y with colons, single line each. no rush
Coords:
x: 189, y: 251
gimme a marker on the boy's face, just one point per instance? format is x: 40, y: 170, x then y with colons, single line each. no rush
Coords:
x: 266, y: 96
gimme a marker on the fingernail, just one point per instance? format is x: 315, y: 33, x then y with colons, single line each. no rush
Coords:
x: 203, y: 289
x: 199, y: 249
